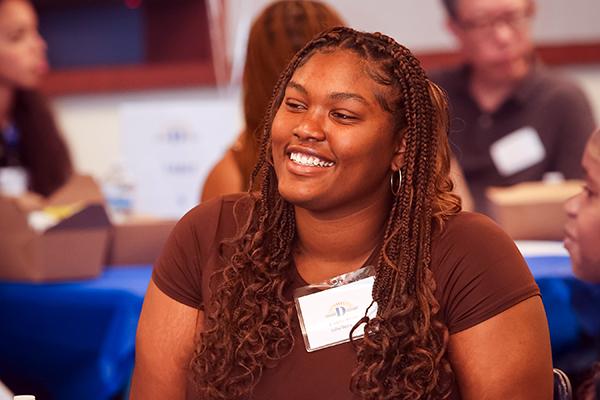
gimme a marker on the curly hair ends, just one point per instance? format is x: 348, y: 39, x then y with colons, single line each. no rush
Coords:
x: 402, y: 354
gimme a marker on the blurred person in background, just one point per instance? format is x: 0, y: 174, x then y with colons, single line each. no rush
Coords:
x: 29, y: 138
x: 512, y: 119
x: 582, y: 240
x: 280, y: 30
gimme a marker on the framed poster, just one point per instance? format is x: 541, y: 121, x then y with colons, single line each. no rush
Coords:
x: 168, y: 149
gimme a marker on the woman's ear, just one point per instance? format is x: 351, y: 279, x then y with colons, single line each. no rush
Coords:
x: 399, y: 151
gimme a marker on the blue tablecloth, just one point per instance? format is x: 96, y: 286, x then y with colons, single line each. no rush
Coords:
x: 572, y: 306
x: 72, y: 340
x: 76, y: 339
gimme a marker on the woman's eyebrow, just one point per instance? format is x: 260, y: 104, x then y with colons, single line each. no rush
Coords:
x: 348, y: 96
x: 298, y: 87
x: 333, y: 96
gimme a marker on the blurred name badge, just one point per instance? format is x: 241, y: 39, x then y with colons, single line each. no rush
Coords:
x: 517, y: 151
x: 329, y: 310
x: 13, y: 181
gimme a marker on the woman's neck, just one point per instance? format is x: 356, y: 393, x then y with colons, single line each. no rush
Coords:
x: 329, y: 247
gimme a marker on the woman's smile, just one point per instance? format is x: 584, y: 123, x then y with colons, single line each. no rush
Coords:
x: 306, y: 161
x: 309, y: 161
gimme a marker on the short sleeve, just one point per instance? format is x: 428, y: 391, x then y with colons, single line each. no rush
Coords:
x: 179, y: 268
x: 478, y: 270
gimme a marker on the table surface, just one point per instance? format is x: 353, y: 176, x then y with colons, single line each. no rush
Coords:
x: 78, y: 338
x: 74, y: 340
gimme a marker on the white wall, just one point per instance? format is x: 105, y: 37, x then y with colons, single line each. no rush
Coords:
x: 91, y: 122
x: 419, y: 24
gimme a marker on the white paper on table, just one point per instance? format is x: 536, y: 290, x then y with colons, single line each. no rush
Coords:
x: 169, y: 148
x: 541, y: 248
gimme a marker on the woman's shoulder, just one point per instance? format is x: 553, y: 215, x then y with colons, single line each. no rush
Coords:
x: 472, y: 247
x: 212, y: 206
x: 472, y: 227
x: 473, y: 240
x: 210, y: 214
x: 478, y: 269
x: 190, y: 252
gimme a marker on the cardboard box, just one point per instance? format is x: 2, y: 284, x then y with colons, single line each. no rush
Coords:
x: 74, y: 248
x: 138, y: 240
x: 532, y: 210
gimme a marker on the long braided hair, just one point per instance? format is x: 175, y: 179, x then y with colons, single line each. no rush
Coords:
x: 249, y: 324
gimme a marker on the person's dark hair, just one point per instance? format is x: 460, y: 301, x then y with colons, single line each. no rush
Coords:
x: 590, y: 388
x: 250, y: 321
x: 451, y: 8
x: 281, y: 29
x: 43, y: 151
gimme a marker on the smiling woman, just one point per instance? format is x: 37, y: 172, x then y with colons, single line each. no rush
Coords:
x: 353, y: 195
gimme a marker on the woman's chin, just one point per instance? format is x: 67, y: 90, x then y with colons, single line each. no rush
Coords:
x: 295, y: 198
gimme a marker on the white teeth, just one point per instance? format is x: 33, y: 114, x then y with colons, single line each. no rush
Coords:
x: 310, y: 161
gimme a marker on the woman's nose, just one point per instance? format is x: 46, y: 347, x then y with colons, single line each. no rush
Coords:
x: 310, y: 128
x: 572, y: 205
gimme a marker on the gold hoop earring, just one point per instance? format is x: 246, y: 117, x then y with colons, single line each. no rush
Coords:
x: 395, y: 186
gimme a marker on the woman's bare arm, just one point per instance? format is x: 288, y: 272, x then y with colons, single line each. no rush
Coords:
x: 164, y: 345
x: 505, y: 357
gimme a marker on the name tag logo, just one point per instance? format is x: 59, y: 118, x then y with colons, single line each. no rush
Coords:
x: 339, y: 309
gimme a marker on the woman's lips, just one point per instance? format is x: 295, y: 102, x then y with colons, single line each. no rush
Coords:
x: 569, y: 240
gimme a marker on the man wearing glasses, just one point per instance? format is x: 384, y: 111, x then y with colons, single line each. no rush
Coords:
x: 512, y: 120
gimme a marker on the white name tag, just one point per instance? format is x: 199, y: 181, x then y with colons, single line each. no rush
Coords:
x: 327, y: 316
x: 517, y: 151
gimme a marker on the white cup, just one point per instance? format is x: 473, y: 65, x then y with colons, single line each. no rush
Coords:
x: 13, y: 181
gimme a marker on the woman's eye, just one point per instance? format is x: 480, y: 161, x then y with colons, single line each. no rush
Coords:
x: 294, y: 105
x: 343, y: 116
x: 15, y: 36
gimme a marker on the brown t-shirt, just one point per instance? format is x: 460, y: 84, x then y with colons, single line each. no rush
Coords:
x: 478, y: 270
